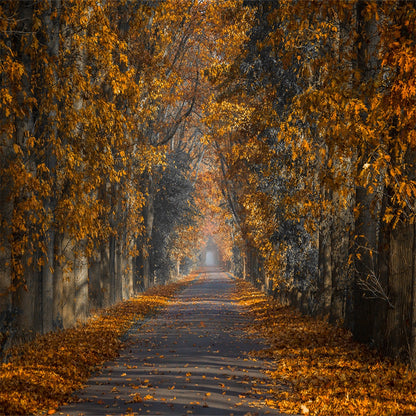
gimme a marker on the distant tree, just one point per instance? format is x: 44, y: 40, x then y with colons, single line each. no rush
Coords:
x: 174, y: 211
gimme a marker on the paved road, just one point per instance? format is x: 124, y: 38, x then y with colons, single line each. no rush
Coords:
x: 192, y: 358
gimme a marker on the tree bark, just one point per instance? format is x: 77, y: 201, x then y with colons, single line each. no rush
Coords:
x: 52, y: 28
x: 26, y: 316
x: 149, y: 219
x: 413, y: 304
x: 325, y: 269
x: 366, y: 223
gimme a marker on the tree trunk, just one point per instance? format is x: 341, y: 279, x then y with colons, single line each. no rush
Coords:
x: 58, y: 284
x: 148, y: 218
x: 112, y: 271
x: 47, y: 283
x: 365, y: 266
x: 23, y: 128
x: 413, y: 305
x: 325, y: 270
x: 178, y: 266
x: 366, y: 228
x: 340, y: 238
x: 50, y: 131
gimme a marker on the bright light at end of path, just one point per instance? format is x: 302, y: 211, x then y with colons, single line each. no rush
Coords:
x: 210, y: 259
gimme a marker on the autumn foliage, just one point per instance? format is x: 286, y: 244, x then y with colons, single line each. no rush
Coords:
x: 318, y: 368
x: 101, y: 142
x: 318, y: 160
x: 43, y: 374
x: 130, y: 130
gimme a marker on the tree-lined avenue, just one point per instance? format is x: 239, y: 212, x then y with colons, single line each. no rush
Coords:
x: 141, y: 139
x: 192, y: 358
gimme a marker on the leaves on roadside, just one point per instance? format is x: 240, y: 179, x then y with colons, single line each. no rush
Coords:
x: 41, y: 375
x: 320, y: 370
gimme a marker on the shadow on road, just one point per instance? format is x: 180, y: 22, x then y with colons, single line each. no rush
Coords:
x: 193, y: 358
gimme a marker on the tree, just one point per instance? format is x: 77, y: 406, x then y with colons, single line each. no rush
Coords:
x: 317, y: 155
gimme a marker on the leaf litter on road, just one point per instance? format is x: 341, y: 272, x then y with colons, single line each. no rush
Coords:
x: 41, y: 375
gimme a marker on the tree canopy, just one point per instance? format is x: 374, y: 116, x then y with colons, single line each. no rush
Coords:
x: 283, y: 129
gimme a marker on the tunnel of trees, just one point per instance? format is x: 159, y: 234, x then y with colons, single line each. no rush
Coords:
x: 135, y: 132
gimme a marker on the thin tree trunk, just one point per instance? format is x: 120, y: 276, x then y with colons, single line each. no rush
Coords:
x: 24, y: 127
x: 413, y: 304
x: 149, y: 219
x: 52, y: 27
x: 325, y: 269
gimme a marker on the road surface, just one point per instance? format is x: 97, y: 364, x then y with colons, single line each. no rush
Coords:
x: 190, y: 359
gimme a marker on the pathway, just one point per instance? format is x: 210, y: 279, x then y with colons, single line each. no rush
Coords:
x: 192, y: 358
